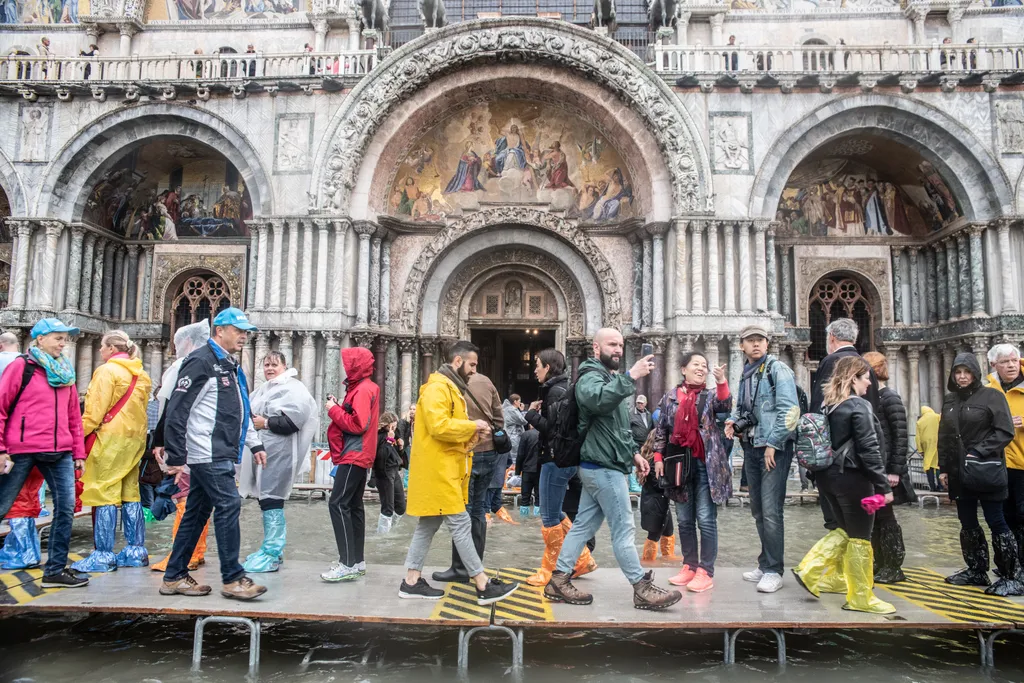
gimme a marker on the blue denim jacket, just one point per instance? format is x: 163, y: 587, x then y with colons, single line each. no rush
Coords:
x: 778, y: 411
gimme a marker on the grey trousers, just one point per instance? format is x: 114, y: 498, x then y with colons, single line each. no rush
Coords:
x: 460, y: 527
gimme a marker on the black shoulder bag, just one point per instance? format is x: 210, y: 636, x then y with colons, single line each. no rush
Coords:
x: 678, y: 461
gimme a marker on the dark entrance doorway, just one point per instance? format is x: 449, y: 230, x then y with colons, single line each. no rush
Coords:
x: 507, y: 357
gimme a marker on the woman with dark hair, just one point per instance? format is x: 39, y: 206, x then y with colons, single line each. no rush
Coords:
x: 554, y: 383
x: 842, y: 561
x: 887, y: 536
x: 975, y: 428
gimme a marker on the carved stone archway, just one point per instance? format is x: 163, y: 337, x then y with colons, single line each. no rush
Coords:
x: 171, y: 269
x: 518, y: 39
x: 598, y: 280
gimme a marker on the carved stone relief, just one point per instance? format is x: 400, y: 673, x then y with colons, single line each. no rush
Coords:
x: 1010, y: 117
x: 731, y: 133
x: 167, y: 267
x: 292, y: 143
x: 874, y: 270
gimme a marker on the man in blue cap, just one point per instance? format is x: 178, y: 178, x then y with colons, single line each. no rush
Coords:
x: 207, y: 424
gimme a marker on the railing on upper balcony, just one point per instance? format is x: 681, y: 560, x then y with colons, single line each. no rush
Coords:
x: 838, y: 58
x: 29, y: 68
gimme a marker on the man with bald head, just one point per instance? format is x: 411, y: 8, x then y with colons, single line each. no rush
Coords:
x: 8, y: 349
x: 607, y: 457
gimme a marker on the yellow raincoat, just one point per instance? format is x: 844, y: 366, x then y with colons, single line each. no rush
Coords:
x: 440, y: 460
x: 1015, y: 399
x: 928, y: 438
x: 111, y: 472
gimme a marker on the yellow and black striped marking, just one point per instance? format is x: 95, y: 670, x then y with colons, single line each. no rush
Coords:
x: 995, y: 607
x: 20, y: 586
x: 527, y: 604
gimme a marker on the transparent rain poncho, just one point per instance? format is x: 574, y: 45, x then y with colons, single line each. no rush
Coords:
x: 186, y: 340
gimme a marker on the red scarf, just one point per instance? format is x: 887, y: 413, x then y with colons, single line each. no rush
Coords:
x: 686, y: 429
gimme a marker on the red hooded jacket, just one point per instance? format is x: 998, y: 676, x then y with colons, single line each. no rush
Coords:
x: 352, y: 434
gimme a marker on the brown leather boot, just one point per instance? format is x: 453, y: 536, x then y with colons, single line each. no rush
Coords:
x: 648, y: 596
x: 560, y: 589
x: 243, y: 589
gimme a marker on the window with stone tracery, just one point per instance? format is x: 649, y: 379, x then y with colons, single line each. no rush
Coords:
x: 200, y: 297
x: 839, y: 297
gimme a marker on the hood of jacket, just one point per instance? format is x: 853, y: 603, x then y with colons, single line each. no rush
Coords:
x: 969, y: 361
x: 132, y: 365
x: 926, y: 411
x: 358, y: 364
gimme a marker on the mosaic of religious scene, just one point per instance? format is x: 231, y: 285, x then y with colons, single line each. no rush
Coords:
x: 860, y: 194
x: 42, y: 11
x: 512, y: 151
x: 170, y: 190
x: 192, y: 10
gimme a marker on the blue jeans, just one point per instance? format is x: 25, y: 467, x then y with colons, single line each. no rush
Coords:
x: 698, y: 511
x: 767, y: 502
x: 479, y: 479
x: 605, y: 496
x: 495, y: 501
x: 554, y: 481
x: 212, y: 487
x: 60, y: 477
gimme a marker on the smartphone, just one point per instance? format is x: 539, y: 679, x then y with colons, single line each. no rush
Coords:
x: 646, y: 350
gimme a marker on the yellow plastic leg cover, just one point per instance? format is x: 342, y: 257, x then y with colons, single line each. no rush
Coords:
x: 859, y: 566
x: 822, y: 562
x: 650, y: 552
x: 553, y: 538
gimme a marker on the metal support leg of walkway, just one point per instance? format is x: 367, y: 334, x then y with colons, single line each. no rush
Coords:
x: 517, y: 646
x: 732, y: 635
x: 987, y: 645
x: 254, y: 640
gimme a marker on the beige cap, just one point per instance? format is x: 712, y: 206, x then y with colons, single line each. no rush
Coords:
x: 754, y: 331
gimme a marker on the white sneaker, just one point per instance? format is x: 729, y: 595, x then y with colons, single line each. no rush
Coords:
x: 769, y: 583
x: 339, y: 572
x: 361, y: 568
x: 753, y: 576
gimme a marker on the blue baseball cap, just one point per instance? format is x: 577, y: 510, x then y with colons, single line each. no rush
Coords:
x: 51, y: 325
x: 234, y: 317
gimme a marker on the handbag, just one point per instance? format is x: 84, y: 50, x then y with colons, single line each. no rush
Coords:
x: 90, y: 440
x: 984, y: 476
x: 678, y: 466
x: 502, y: 441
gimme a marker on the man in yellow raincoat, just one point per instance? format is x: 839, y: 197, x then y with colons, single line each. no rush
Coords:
x: 928, y: 443
x: 115, y: 421
x: 439, y: 467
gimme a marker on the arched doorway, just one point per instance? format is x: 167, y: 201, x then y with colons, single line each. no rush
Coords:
x: 199, y: 296
x: 840, y: 296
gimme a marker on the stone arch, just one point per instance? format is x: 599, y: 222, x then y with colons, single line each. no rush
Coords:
x: 518, y: 39
x: 872, y: 275
x: 869, y: 294
x: 1020, y: 193
x: 540, y: 231
x: 12, y: 186
x: 68, y: 177
x: 521, y: 268
x: 963, y: 160
x: 167, y: 280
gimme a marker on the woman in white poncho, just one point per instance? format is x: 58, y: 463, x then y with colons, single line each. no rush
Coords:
x: 286, y: 417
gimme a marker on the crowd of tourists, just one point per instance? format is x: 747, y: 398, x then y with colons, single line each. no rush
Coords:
x: 200, y: 441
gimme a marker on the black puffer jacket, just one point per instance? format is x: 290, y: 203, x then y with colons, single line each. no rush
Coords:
x: 894, y: 423
x: 551, y: 392
x: 854, y: 420
x: 975, y: 419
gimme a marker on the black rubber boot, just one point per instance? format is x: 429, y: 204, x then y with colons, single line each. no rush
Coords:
x: 457, y: 572
x: 1004, y: 548
x: 975, y: 551
x: 889, y: 553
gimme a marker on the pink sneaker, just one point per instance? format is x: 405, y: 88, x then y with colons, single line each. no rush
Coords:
x: 701, y: 582
x: 684, y: 576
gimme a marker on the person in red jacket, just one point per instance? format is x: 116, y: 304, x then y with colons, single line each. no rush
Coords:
x: 352, y: 436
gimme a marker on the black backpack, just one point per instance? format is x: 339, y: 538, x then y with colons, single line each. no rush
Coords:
x: 564, y: 436
x: 26, y: 376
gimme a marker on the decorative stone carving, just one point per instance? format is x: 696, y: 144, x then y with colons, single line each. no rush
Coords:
x: 730, y: 142
x: 874, y: 270
x: 1010, y: 118
x: 514, y: 215
x: 519, y: 39
x: 170, y: 266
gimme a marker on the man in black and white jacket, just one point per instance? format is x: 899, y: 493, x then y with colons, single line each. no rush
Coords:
x: 207, y: 425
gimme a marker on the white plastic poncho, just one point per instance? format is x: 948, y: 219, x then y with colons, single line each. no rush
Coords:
x: 186, y: 340
x: 287, y: 455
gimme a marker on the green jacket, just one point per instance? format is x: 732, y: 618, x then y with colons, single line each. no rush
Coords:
x: 601, y: 398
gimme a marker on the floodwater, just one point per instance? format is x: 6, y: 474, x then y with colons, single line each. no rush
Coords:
x: 104, y: 648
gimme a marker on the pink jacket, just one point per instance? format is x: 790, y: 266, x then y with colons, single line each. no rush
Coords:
x: 45, y: 420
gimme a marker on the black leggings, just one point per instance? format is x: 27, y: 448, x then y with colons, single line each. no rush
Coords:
x: 347, y: 516
x: 271, y: 504
x: 843, y: 491
x: 967, y: 511
x: 530, y: 489
x: 391, y: 492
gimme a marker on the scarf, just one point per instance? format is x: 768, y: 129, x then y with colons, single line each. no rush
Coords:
x: 686, y: 428
x: 243, y: 390
x: 59, y: 372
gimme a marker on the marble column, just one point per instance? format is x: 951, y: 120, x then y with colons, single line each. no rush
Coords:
x: 936, y: 382
x: 379, y: 346
x: 744, y: 272
x: 262, y: 349
x: 291, y: 280
x: 892, y: 360
x: 979, y: 347
x: 964, y: 273
x: 108, y: 279
x: 799, y: 365
x: 1006, y: 263
x: 931, y: 287
x: 84, y: 281
x: 760, y: 266
x: 322, y: 247
x: 117, y: 291
x: 74, y: 285
x: 787, y: 290
x: 682, y: 268
x: 155, y: 350
x: 384, y: 314
x: 656, y: 385
x: 12, y: 225
x: 306, y: 287
x: 672, y: 374
x: 23, y: 231
x: 729, y: 269
x: 254, y: 258
x: 307, y: 355
x: 638, y: 282
x: 914, y: 405
x: 52, y: 231
x: 897, y: 285
x: 364, y: 230
x: 915, y: 285
x: 735, y: 364
x: 147, y: 281
x: 391, y: 377
x: 132, y: 295
x: 406, y: 347
x: 374, y: 301
x: 948, y: 356
x: 332, y: 369
x: 658, y: 279
x: 942, y: 281
x: 427, y: 349
x: 977, y: 271
x: 714, y: 300
x: 83, y: 365
x: 259, y: 298
x: 97, y: 276
x: 284, y: 344
x: 276, y: 255
x: 647, y: 285
x: 697, y: 267
x: 773, y: 290
x: 338, y: 279
x: 953, y: 281
x: 711, y: 353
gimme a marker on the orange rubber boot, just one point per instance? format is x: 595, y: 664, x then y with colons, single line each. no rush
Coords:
x: 650, y: 553
x: 198, y: 555
x: 668, y: 547
x: 553, y: 538
x: 586, y: 563
x: 505, y: 517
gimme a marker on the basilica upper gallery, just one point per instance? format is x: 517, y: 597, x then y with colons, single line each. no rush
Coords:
x: 398, y: 175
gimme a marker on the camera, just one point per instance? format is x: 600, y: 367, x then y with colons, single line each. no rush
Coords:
x: 744, y: 422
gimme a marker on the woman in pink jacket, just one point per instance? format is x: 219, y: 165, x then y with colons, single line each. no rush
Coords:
x: 41, y: 427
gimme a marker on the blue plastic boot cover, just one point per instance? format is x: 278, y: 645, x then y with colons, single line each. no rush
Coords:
x: 43, y: 512
x: 21, y: 547
x: 536, y: 511
x: 104, y: 526
x: 133, y: 523
x: 269, y: 557
x: 524, y: 510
